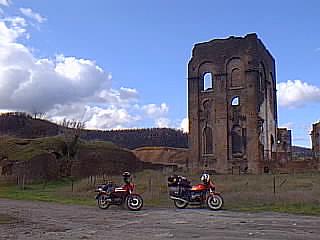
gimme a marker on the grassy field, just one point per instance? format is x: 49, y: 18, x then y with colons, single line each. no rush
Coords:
x: 6, y: 219
x: 55, y: 191
x: 26, y: 149
x: 299, y: 193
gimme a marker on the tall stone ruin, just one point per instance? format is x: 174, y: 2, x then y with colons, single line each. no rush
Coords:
x: 315, y: 138
x: 232, y: 105
x: 284, y: 146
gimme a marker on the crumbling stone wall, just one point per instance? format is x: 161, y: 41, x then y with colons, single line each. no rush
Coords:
x: 315, y: 137
x: 232, y: 105
x: 284, y: 146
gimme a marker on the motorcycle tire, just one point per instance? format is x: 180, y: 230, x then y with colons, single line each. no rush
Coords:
x: 215, y: 202
x: 102, y: 202
x: 134, y: 202
x: 180, y: 204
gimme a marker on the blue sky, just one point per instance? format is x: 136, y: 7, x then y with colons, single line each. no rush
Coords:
x: 145, y: 46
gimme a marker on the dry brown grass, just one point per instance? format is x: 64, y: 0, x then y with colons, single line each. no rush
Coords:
x: 298, y: 193
x: 6, y: 219
x: 239, y: 191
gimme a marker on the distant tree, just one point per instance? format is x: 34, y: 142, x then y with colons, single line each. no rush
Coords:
x: 71, y: 132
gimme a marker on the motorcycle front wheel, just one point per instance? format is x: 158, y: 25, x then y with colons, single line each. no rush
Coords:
x: 103, y: 202
x: 134, y: 202
x: 215, y: 202
x: 180, y: 204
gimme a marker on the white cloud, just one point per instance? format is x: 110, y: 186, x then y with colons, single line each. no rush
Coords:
x: 28, y: 12
x: 289, y: 125
x: 154, y: 111
x: 128, y: 93
x: 184, y: 125
x: 296, y: 93
x: 59, y: 86
x: 11, y: 29
x: 65, y: 86
x: 5, y: 111
x: 110, y: 118
x: 5, y: 2
x: 162, y: 122
x: 94, y: 117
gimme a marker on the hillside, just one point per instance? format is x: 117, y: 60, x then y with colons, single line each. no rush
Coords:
x: 22, y: 125
x: 25, y: 126
x: 301, y: 151
x: 163, y: 155
x: 135, y: 138
x: 54, y: 157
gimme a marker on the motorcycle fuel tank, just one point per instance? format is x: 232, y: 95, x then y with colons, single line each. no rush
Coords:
x: 199, y: 187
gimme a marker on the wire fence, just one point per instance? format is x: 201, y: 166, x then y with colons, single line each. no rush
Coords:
x: 236, y: 189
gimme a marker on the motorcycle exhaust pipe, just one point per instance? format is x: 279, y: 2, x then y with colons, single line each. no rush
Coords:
x: 180, y: 199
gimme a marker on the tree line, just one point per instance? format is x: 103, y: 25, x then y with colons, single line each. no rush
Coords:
x: 25, y: 125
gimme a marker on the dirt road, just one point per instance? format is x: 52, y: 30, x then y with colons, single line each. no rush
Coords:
x: 39, y: 220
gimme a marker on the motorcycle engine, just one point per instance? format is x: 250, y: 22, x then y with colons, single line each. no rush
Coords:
x: 117, y: 200
x: 196, y: 196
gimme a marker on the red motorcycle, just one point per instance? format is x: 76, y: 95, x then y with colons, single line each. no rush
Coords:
x: 183, y: 194
x: 110, y: 194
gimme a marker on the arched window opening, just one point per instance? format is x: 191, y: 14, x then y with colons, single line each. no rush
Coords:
x: 235, y: 77
x: 284, y: 144
x: 234, y: 67
x: 237, y: 140
x: 262, y: 77
x: 260, y: 82
x: 207, y: 141
x: 206, y: 109
x: 207, y: 81
x: 235, y: 101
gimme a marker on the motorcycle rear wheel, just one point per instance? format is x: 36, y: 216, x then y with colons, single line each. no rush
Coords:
x: 134, y: 202
x: 180, y: 204
x: 215, y: 202
x: 102, y: 202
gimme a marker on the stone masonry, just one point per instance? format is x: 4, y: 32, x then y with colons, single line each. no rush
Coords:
x: 232, y: 105
x: 315, y: 137
x: 284, y: 146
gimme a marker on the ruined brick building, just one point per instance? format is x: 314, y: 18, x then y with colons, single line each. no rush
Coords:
x: 315, y: 137
x: 232, y: 105
x: 284, y: 146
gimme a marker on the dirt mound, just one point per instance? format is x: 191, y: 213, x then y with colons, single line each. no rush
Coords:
x: 163, y: 155
x: 49, y: 158
x: 98, y: 158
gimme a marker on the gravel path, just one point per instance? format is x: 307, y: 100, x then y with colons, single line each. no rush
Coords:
x: 39, y: 220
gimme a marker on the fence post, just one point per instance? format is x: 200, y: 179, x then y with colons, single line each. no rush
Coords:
x: 274, y: 185
x: 23, y: 181
x: 150, y: 187
x: 72, y: 183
